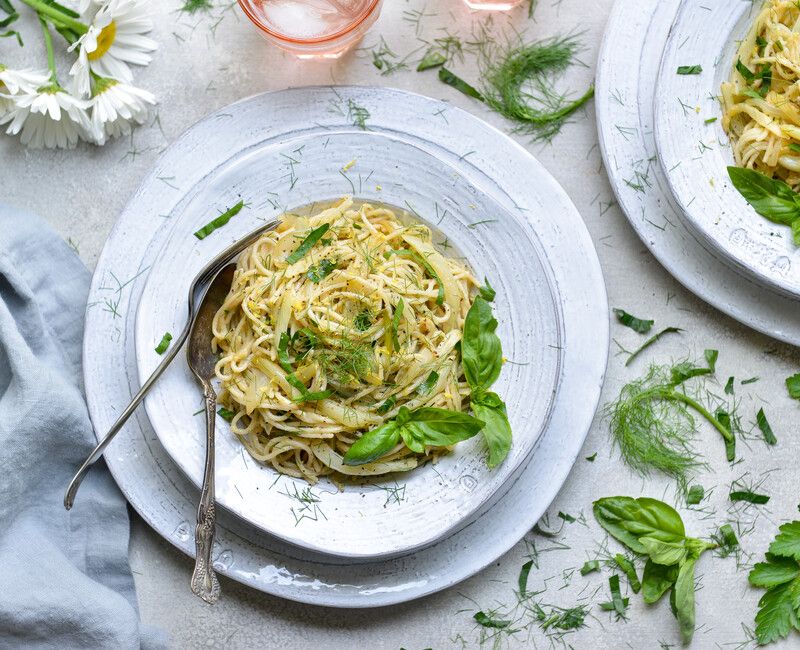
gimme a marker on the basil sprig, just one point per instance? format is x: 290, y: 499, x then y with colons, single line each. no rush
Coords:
x: 423, y: 427
x: 482, y: 358
x: 771, y: 198
x: 652, y: 528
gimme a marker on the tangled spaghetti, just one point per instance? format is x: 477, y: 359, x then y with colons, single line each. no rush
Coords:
x: 318, y: 351
x: 761, y: 102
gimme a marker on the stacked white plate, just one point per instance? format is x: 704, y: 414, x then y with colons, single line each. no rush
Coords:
x: 380, y: 542
x: 666, y: 155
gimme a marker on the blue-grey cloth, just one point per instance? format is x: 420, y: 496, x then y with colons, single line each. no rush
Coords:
x: 65, y: 581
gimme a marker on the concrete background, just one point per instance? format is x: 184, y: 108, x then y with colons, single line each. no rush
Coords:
x: 208, y: 60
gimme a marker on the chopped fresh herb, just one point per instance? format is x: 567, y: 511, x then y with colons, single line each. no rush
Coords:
x: 427, y: 386
x: 609, y: 606
x: 487, y: 621
x: 616, y: 595
x: 220, y: 221
x: 727, y: 538
x: 780, y: 576
x: 161, y: 348
x: 793, y: 386
x: 761, y: 42
x: 363, y: 320
x: 563, y: 516
x: 522, y: 580
x: 653, y: 339
x: 589, y: 566
x: 711, y: 357
x: 396, y: 318
x: 592, y: 457
x: 690, y: 69
x: 710, y: 120
x: 729, y: 386
x: 765, y: 74
x: 695, y: 495
x: 386, y: 406
x: 458, y: 83
x: 630, y: 572
x: 766, y: 429
x: 193, y: 6
x: 308, y: 243
x: 285, y: 362
x: 743, y: 70
x: 749, y: 496
x: 319, y: 272
x: 433, y: 59
x: 752, y: 380
x: 794, y: 147
x: 486, y: 292
x: 225, y: 414
x: 636, y: 324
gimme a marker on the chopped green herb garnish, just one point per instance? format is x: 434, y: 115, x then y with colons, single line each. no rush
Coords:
x: 794, y: 147
x: 591, y: 458
x: 589, y: 566
x: 695, y: 495
x: 363, y: 320
x: 433, y: 59
x: 319, y: 272
x: 690, y: 69
x: 220, y: 221
x: 752, y: 380
x: 522, y: 580
x: 396, y: 317
x: 727, y: 538
x: 766, y: 429
x: 710, y: 120
x: 563, y: 516
x: 616, y: 596
x: 487, y: 621
x: 761, y: 42
x: 743, y: 70
x: 729, y: 386
x: 427, y: 386
x: 308, y: 243
x: 610, y: 606
x: 793, y: 386
x: 630, y: 572
x: 225, y: 414
x: 749, y: 496
x: 636, y: 324
x: 653, y: 339
x: 387, y: 405
x: 770, y: 197
x: 458, y: 83
x: 161, y: 348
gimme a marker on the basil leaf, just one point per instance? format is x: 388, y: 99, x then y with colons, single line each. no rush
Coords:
x: 445, y: 76
x: 616, y: 595
x: 766, y: 429
x: 589, y: 566
x: 627, y: 520
x: 695, y: 495
x: 690, y: 69
x: 686, y: 370
x: 666, y: 553
x: 486, y: 291
x: 481, y: 350
x: 684, y: 600
x: 630, y: 572
x: 226, y: 414
x: 796, y: 232
x: 771, y: 198
x: 398, y: 314
x: 748, y: 74
x: 711, y: 359
x: 220, y: 221
x: 497, y: 429
x: 636, y: 324
x: 320, y: 271
x: 435, y: 427
x: 522, y: 580
x: 161, y: 348
x: 386, y: 406
x: 432, y: 59
x: 793, y: 386
x: 430, y: 381
x: 487, y: 621
x: 656, y: 580
x: 373, y: 444
x: 308, y: 243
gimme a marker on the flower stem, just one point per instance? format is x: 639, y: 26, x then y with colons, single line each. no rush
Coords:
x: 730, y: 441
x: 57, y: 16
x: 48, y: 43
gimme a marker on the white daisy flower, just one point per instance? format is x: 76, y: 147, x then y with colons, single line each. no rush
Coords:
x: 25, y: 81
x: 115, y: 106
x: 114, y: 40
x: 48, y: 117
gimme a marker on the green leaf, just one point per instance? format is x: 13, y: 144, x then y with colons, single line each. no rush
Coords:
x: 656, y: 580
x: 636, y: 324
x: 396, y: 317
x: 690, y: 69
x: 776, y: 616
x: 616, y: 595
x: 763, y: 424
x: 434, y: 427
x: 627, y: 520
x: 664, y: 552
x: 776, y: 571
x: 308, y: 243
x: 220, y: 221
x: 486, y: 292
x: 161, y: 348
x: 729, y: 386
x: 226, y: 414
x: 489, y: 408
x: 796, y: 232
x: 749, y: 496
x: 787, y: 542
x: 771, y: 198
x: 711, y: 359
x: 609, y: 606
x: 589, y: 566
x: 522, y: 580
x: 481, y: 350
x: 319, y: 272
x: 695, y: 495
x: 653, y: 339
x: 684, y: 600
x: 793, y: 386
x: 373, y: 444
x: 433, y: 59
x: 487, y: 621
x: 430, y: 381
x: 445, y: 76
x: 686, y: 370
x: 386, y: 406
x: 746, y: 72
x: 630, y: 572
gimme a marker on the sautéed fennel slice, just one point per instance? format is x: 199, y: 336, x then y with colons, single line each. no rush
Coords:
x: 350, y: 346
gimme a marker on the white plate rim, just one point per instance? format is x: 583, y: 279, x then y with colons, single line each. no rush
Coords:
x: 163, y: 497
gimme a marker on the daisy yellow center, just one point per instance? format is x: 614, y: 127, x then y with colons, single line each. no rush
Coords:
x: 105, y: 39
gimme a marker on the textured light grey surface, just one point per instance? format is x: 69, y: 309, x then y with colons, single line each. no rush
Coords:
x: 201, y: 67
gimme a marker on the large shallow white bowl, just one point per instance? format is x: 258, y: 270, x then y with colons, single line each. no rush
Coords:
x: 167, y: 500
x: 305, y: 165
x: 694, y: 152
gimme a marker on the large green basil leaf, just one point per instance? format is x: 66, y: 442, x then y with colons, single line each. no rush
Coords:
x: 684, y: 600
x: 433, y: 427
x: 497, y: 429
x: 656, y: 580
x: 627, y: 520
x: 664, y: 552
x: 373, y: 444
x: 771, y: 198
x: 481, y: 351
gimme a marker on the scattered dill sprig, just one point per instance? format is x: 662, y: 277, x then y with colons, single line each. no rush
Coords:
x: 652, y: 422
x: 346, y: 361
x: 193, y: 6
x: 519, y: 84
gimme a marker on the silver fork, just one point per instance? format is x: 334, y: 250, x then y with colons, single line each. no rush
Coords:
x: 199, y: 282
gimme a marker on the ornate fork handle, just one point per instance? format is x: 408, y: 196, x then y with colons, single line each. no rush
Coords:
x: 204, y: 581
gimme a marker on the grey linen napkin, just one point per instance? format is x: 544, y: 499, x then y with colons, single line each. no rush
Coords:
x: 65, y: 581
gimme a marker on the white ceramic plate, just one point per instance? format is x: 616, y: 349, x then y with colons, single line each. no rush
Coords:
x: 626, y: 77
x: 464, y: 206
x: 695, y: 154
x: 167, y: 500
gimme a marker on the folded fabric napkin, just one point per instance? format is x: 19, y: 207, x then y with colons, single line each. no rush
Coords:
x: 65, y: 581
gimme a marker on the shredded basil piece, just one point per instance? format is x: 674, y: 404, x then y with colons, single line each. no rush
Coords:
x: 220, y: 221
x: 386, y: 406
x: 766, y: 429
x: 589, y: 566
x: 308, y: 243
x: 695, y: 495
x: 427, y: 386
x: 636, y: 324
x: 225, y: 414
x: 458, y: 83
x: 433, y: 59
x: 749, y: 496
x: 396, y: 317
x: 690, y: 69
x: 161, y: 348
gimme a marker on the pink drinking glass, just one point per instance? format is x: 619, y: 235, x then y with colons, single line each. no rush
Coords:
x: 313, y: 28
x: 497, y: 5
